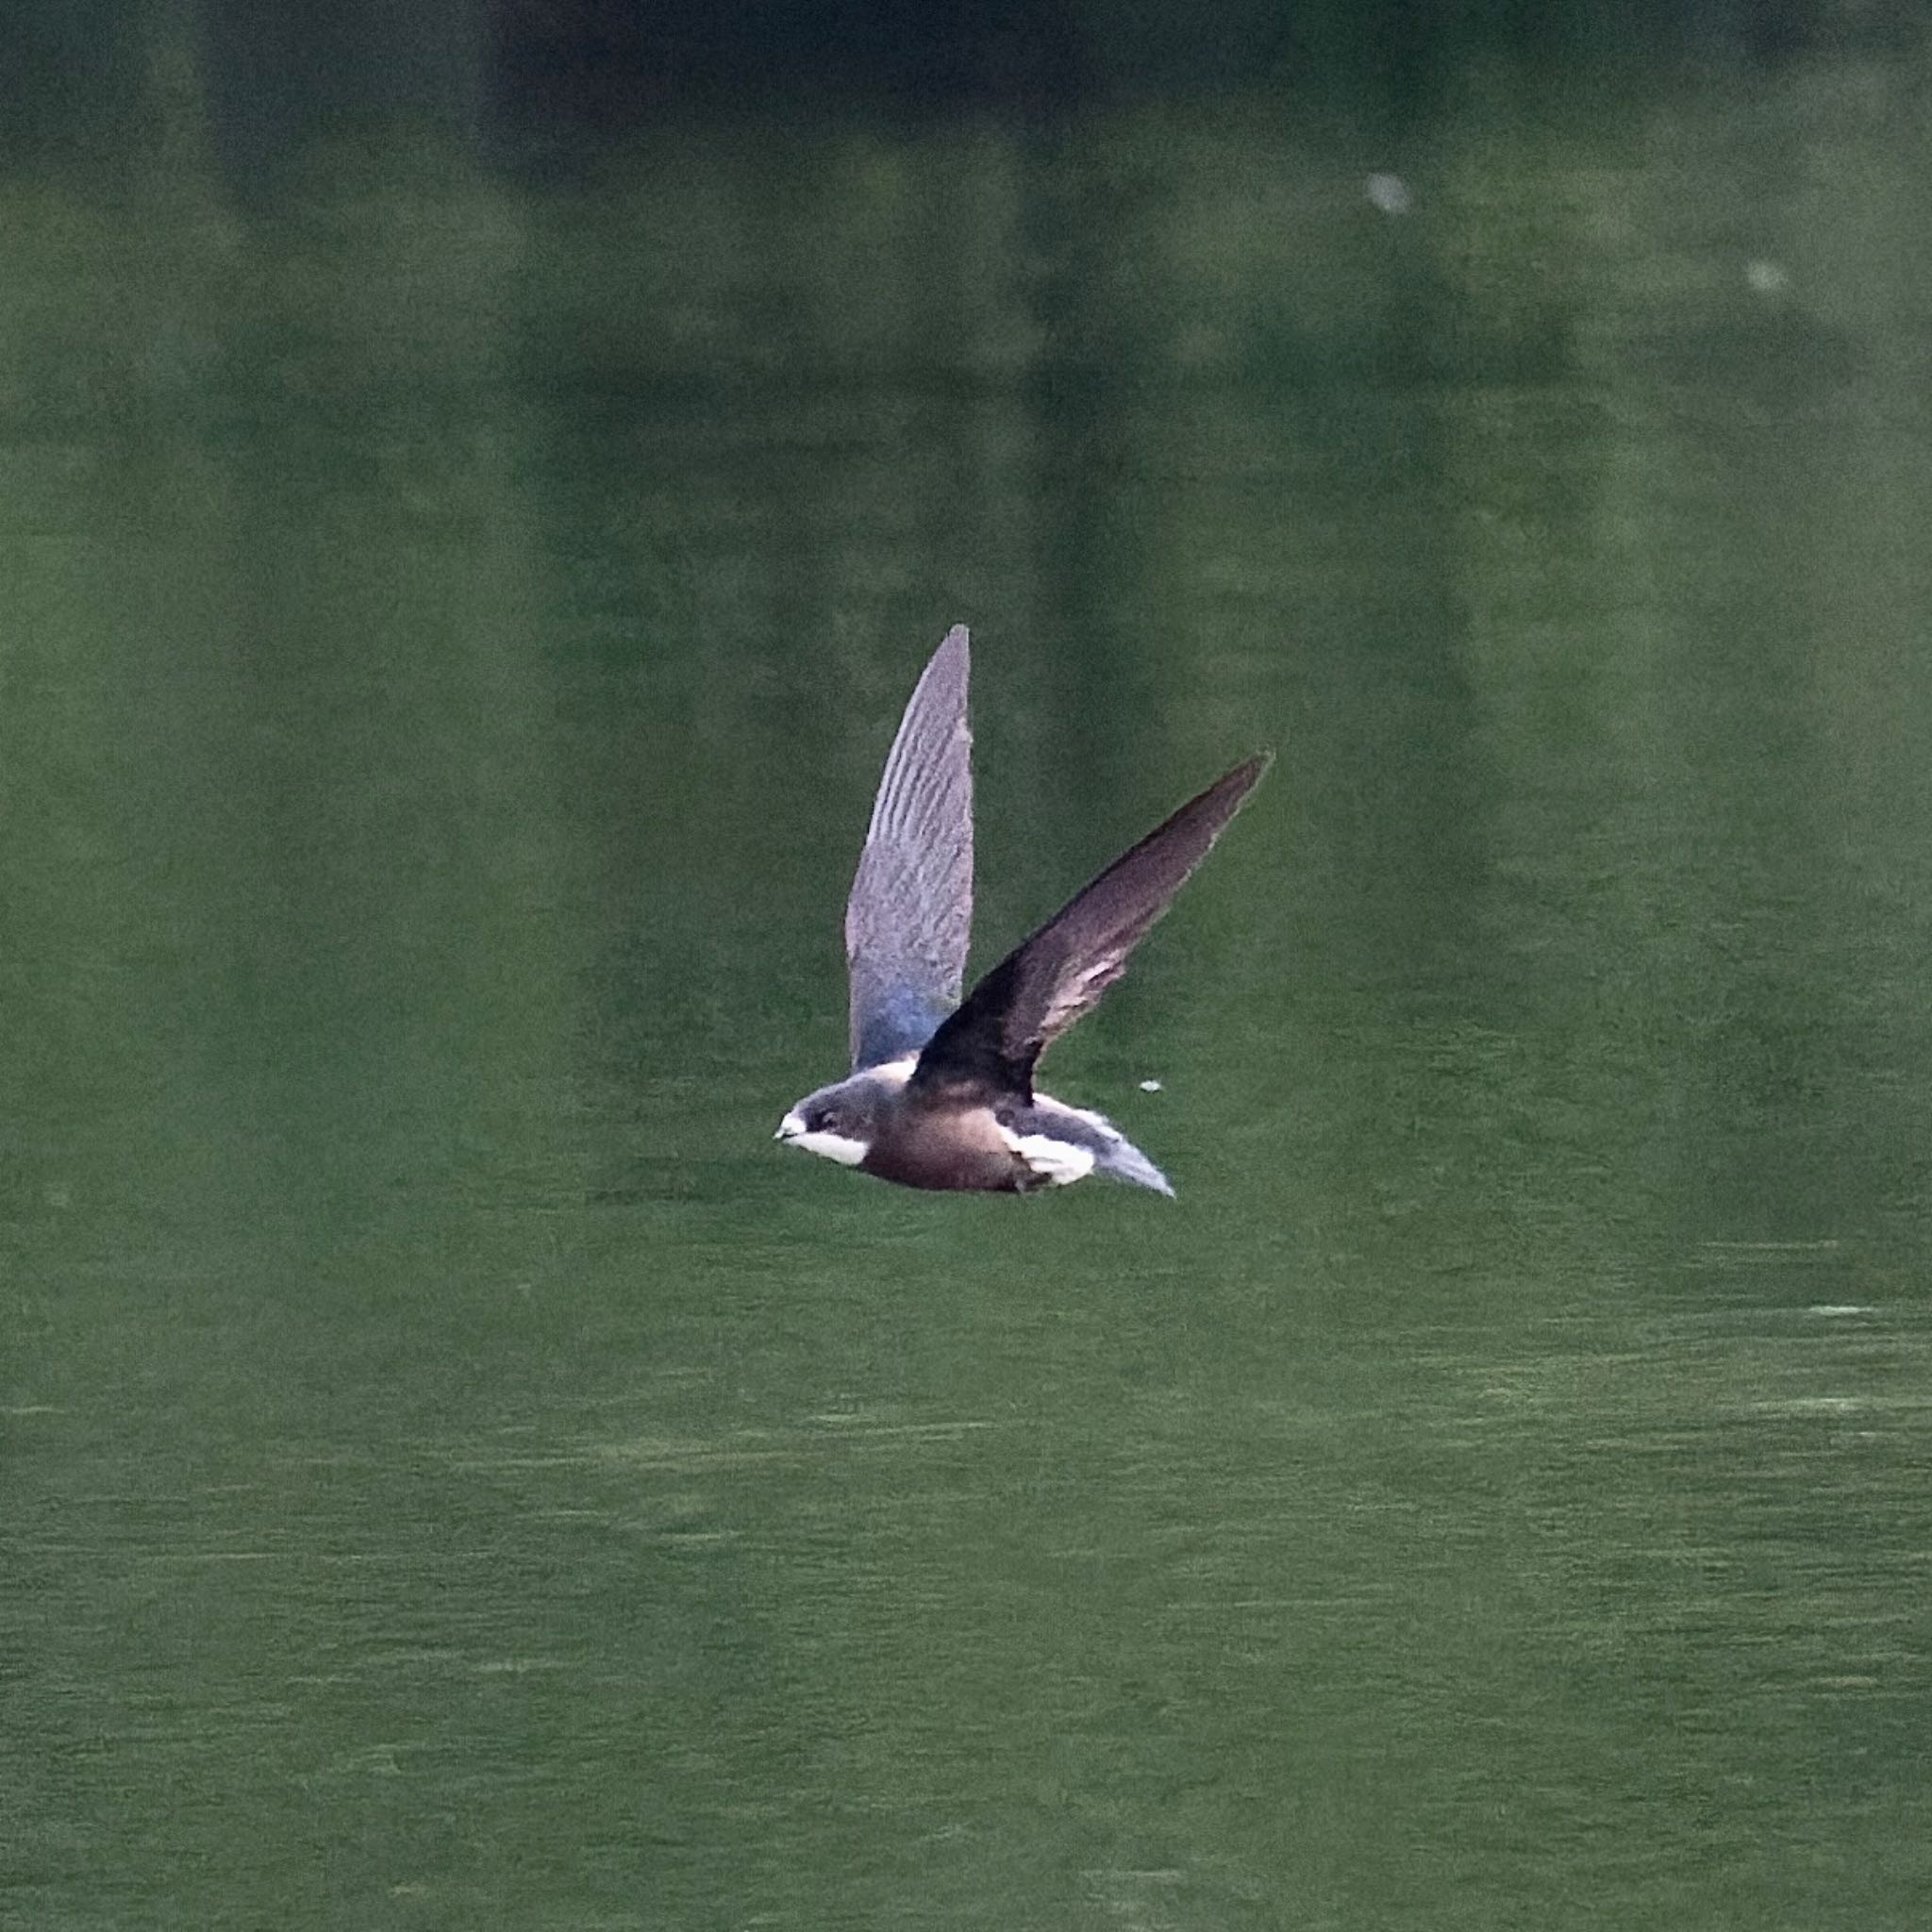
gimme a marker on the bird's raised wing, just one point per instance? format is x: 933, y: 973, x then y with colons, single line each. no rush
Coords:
x: 1048, y: 981
x: 911, y: 912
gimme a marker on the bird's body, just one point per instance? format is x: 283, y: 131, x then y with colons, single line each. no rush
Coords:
x: 966, y: 1139
x: 941, y: 1092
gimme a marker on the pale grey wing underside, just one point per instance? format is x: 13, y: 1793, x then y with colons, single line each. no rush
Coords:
x: 910, y: 912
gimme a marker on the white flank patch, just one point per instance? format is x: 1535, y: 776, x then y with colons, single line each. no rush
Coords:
x: 1060, y: 1161
x: 894, y: 1073
x: 1118, y: 1158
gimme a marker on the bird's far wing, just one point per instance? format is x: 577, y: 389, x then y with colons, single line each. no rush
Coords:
x: 1048, y: 981
x: 911, y: 912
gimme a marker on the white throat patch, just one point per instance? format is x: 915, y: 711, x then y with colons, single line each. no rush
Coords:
x: 847, y: 1153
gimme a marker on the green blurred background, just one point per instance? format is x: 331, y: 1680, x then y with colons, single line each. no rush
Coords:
x: 477, y: 487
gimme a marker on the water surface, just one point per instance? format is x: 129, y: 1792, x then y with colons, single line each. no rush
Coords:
x: 458, y: 1472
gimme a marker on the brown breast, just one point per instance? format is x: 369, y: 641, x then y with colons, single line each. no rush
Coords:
x: 946, y: 1147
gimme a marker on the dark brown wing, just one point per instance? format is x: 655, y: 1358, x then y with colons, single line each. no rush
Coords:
x: 1048, y: 981
x: 911, y: 912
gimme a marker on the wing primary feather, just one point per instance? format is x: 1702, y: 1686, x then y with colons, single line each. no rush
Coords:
x: 910, y: 910
x: 1060, y: 972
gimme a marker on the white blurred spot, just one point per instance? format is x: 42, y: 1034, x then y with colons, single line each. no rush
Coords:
x: 1767, y: 277
x: 1150, y: 1086
x: 1389, y: 193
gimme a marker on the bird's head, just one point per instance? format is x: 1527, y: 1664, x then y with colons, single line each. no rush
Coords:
x: 840, y: 1121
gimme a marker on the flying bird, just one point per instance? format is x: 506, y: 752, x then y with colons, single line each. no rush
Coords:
x: 941, y: 1093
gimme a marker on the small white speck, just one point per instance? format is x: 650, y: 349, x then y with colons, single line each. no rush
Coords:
x: 1767, y: 277
x: 1150, y: 1086
x: 1838, y: 1308
x: 1389, y: 193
